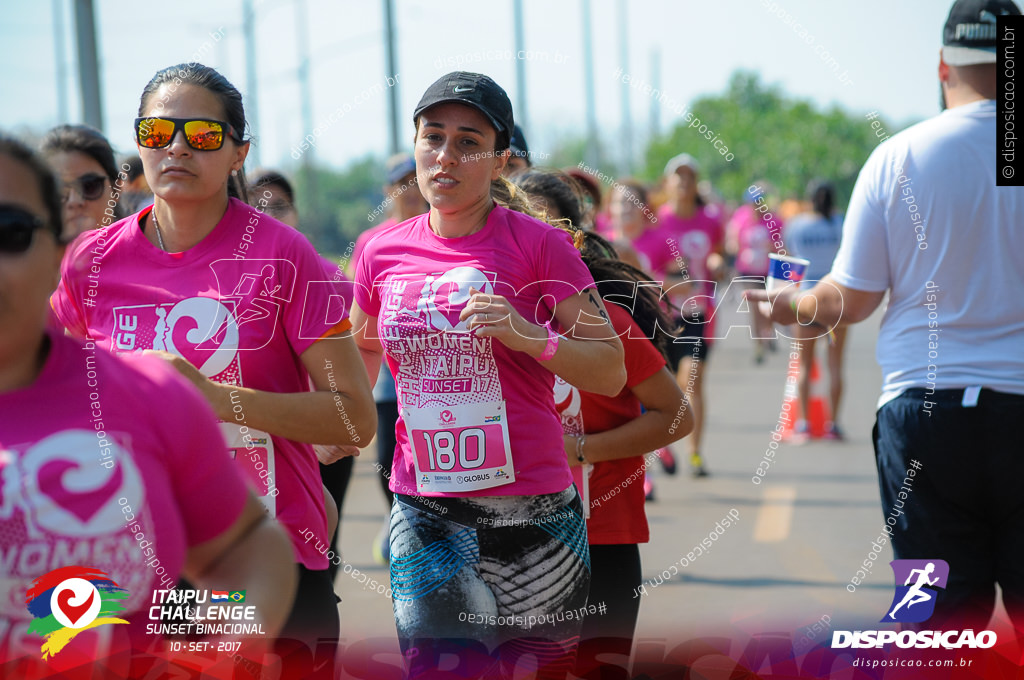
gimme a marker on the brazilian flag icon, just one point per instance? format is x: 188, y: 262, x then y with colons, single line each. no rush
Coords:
x: 237, y: 596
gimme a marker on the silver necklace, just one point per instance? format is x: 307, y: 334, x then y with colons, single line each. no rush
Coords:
x: 156, y: 227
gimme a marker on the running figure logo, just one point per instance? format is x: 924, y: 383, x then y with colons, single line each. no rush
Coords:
x: 913, y: 603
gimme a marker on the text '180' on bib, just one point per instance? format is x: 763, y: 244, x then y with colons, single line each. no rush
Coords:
x: 460, y: 448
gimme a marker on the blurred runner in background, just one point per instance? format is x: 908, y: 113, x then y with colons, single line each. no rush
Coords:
x: 405, y: 201
x: 695, y: 239
x: 815, y: 237
x: 83, y: 160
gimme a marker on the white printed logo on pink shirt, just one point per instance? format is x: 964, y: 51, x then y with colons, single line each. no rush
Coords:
x: 59, y: 505
x: 206, y: 330
x: 209, y: 332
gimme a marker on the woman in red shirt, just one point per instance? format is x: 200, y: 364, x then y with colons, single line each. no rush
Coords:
x: 606, y: 437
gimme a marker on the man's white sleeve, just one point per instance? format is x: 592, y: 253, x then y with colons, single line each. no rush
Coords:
x: 862, y: 262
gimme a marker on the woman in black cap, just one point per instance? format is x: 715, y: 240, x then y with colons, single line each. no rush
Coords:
x: 488, y: 540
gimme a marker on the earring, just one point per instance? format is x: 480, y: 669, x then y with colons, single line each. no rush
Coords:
x: 234, y: 173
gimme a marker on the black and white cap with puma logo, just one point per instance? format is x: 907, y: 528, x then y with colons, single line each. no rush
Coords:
x: 969, y: 36
x: 478, y: 91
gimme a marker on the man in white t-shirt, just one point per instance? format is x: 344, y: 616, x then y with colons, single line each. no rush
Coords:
x: 927, y: 223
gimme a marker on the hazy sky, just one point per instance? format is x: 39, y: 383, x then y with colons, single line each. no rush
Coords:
x: 888, y: 50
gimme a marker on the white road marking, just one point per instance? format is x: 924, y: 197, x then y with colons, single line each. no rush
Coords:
x: 775, y: 517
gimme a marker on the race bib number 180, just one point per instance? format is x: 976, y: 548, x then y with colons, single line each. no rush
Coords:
x: 460, y: 448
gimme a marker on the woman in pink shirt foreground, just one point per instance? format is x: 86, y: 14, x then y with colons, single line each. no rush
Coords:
x: 238, y: 303
x: 106, y: 464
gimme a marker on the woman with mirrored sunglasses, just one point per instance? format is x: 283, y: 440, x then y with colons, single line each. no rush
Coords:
x: 97, y: 451
x: 83, y: 160
x: 239, y: 303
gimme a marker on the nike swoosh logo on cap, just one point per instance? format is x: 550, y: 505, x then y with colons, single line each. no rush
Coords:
x: 459, y: 90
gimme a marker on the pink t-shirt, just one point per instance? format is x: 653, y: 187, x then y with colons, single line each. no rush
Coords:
x: 753, y: 242
x: 460, y: 394
x: 653, y: 248
x: 603, y: 225
x: 242, y: 306
x: 364, y: 237
x: 695, y: 238
x: 115, y: 464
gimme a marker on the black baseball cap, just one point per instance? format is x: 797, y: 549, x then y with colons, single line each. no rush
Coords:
x: 969, y: 36
x: 518, y: 144
x: 476, y: 90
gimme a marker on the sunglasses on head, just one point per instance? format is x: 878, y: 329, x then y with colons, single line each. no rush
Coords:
x: 202, y: 134
x: 17, y: 227
x: 90, y: 187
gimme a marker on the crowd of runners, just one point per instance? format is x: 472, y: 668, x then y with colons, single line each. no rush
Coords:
x: 169, y: 342
x: 514, y: 473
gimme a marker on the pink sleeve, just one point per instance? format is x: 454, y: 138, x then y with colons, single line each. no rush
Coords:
x: 65, y: 306
x: 360, y: 243
x: 208, y: 488
x: 319, y: 304
x: 365, y: 292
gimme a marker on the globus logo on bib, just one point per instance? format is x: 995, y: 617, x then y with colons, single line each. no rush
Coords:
x: 914, y: 603
x: 472, y: 478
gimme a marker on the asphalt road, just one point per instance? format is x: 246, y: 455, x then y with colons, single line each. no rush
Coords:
x: 783, y: 567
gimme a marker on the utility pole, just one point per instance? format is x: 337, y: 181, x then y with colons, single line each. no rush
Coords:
x: 520, y: 111
x: 252, y: 106
x: 62, y: 61
x: 305, y: 90
x: 627, y: 121
x: 88, y: 64
x: 389, y: 46
x: 592, y: 152
x: 656, y: 84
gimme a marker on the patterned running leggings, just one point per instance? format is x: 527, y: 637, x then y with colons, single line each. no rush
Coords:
x: 489, y: 584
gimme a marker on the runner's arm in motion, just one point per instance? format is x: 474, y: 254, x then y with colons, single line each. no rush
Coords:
x: 828, y: 303
x: 253, y: 555
x: 364, y: 330
x: 589, y: 340
x: 339, y: 411
x: 667, y: 418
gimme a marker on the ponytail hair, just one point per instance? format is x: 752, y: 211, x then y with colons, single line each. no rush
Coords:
x: 508, y: 195
x: 612, y: 276
x: 823, y: 197
x: 617, y: 278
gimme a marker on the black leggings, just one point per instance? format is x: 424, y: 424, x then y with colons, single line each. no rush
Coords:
x: 614, y: 576
x: 314, y: 614
x: 387, y: 417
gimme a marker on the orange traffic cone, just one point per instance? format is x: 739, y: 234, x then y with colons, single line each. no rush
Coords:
x: 817, y: 404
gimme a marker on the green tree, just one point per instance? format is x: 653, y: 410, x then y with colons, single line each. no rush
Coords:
x: 333, y: 205
x: 784, y: 140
